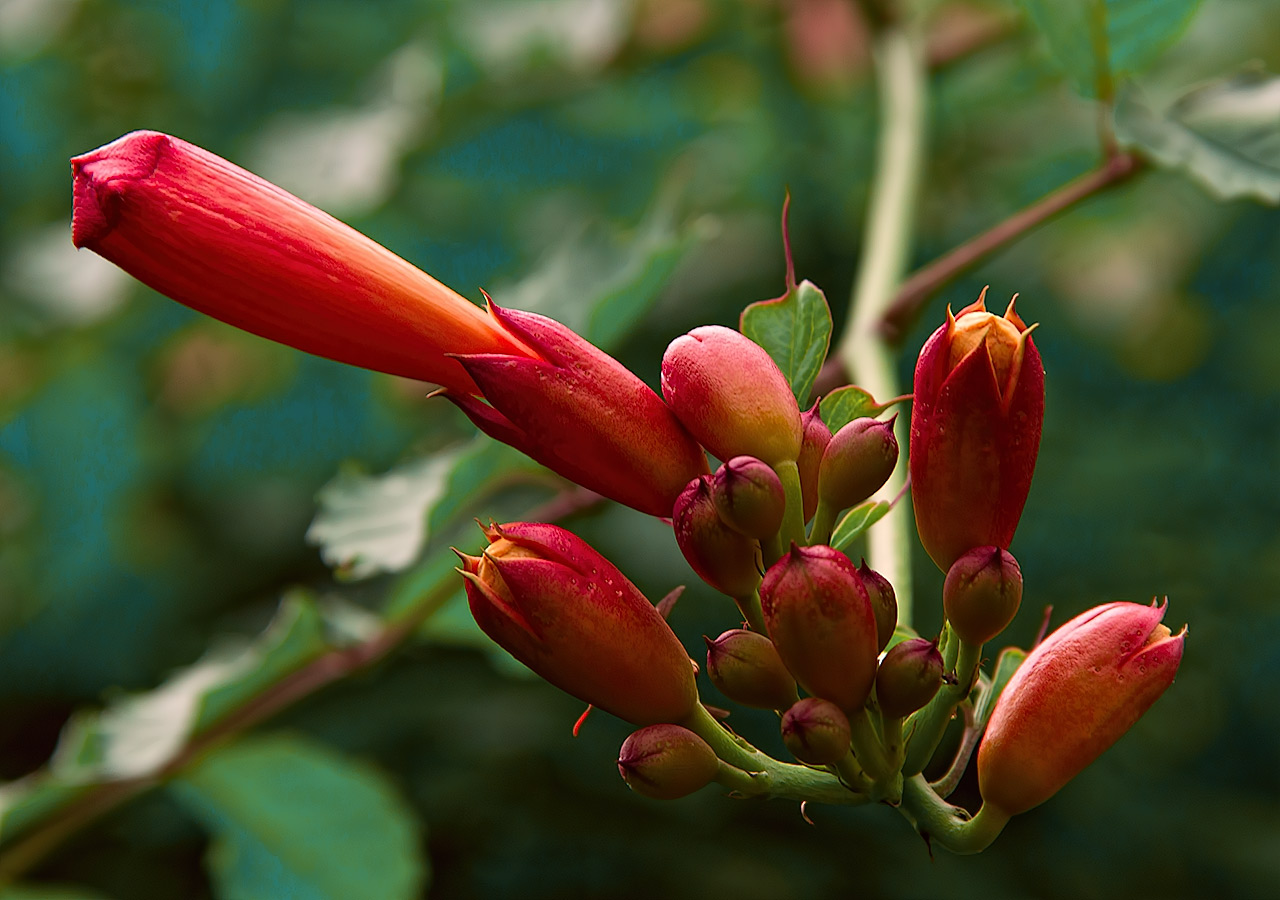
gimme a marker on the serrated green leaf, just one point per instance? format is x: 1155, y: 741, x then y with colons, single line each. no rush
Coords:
x: 845, y: 404
x: 857, y: 520
x: 1097, y: 41
x: 1225, y: 134
x: 795, y: 329
x: 291, y: 818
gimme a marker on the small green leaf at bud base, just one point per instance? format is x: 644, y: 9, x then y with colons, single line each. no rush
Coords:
x: 982, y: 593
x: 908, y: 677
x: 884, y: 603
x: 749, y: 497
x: 666, y: 762
x: 816, y: 731
x: 857, y: 462
x: 745, y: 666
x: 816, y: 438
x: 725, y: 559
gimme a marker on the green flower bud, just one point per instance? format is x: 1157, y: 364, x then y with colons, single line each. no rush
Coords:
x: 749, y: 497
x: 982, y: 593
x: 884, y: 603
x: 908, y: 677
x: 857, y: 462
x: 816, y: 731
x: 666, y: 762
x: 745, y: 666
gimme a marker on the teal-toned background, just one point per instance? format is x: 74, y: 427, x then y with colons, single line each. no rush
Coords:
x: 158, y: 470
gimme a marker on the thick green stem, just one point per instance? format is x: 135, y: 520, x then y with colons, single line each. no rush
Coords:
x: 902, y: 79
x: 949, y: 825
x: 930, y: 723
x: 750, y: 608
x: 824, y: 520
x: 793, y: 517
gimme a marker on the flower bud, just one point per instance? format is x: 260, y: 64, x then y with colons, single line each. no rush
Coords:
x: 731, y: 396
x: 1073, y: 697
x: 551, y: 601
x: 884, y: 604
x: 982, y: 593
x: 745, y: 666
x: 857, y: 462
x: 975, y: 431
x: 816, y: 437
x: 816, y: 731
x: 749, y: 497
x: 723, y: 558
x: 908, y: 677
x: 666, y: 762
x: 820, y: 618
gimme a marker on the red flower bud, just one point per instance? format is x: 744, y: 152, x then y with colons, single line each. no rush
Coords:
x: 725, y: 559
x: 562, y: 609
x: 749, y: 497
x: 884, y: 603
x: 816, y: 731
x: 820, y: 618
x: 745, y: 666
x: 982, y: 593
x: 908, y: 677
x: 975, y: 431
x: 223, y: 241
x: 857, y: 462
x: 666, y: 762
x: 1072, y: 698
x: 816, y: 437
x: 733, y: 398
x: 577, y: 410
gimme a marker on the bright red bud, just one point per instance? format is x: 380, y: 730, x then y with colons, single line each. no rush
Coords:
x: 731, y: 395
x: 223, y: 241
x: 1072, y: 698
x: 816, y: 437
x: 820, y: 618
x: 577, y: 410
x: 727, y: 560
x: 975, y: 431
x: 562, y: 609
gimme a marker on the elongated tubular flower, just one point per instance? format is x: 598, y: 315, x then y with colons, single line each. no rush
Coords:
x: 1077, y: 693
x: 566, y: 612
x: 223, y: 241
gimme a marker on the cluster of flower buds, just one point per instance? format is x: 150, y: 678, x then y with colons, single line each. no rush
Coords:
x: 863, y: 701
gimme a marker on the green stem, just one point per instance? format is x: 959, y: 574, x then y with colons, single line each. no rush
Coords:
x: 751, y: 611
x: 824, y: 520
x: 930, y: 723
x: 949, y: 825
x: 793, y: 517
x: 894, y: 747
x: 902, y: 79
x: 759, y: 775
x: 868, y: 748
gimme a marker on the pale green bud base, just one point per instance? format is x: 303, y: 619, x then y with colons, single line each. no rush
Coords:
x: 750, y: 608
x: 793, y: 516
x: 824, y: 522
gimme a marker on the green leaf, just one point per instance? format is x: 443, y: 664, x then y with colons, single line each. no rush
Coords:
x: 368, y: 524
x: 1006, y: 664
x: 901, y: 633
x: 291, y: 818
x: 795, y: 329
x: 1225, y: 134
x: 858, y: 520
x: 1096, y: 41
x: 845, y: 404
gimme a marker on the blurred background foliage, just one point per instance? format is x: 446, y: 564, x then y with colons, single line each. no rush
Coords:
x: 620, y: 165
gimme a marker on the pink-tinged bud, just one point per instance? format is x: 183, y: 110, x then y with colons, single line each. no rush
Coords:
x: 857, y: 462
x: 908, y: 677
x: 975, y: 431
x: 666, y: 762
x: 884, y: 604
x: 562, y: 609
x: 816, y: 732
x: 577, y: 410
x: 749, y: 497
x: 816, y: 437
x: 725, y: 559
x: 733, y: 398
x: 982, y: 593
x: 745, y: 666
x: 1072, y: 698
x: 820, y: 618
x: 223, y: 241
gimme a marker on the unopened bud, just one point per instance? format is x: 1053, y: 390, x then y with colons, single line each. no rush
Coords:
x: 745, y: 666
x: 816, y: 437
x: 749, y: 497
x: 908, y: 677
x: 982, y: 593
x: 722, y: 557
x: 816, y: 731
x: 857, y: 462
x: 884, y: 603
x: 666, y: 762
